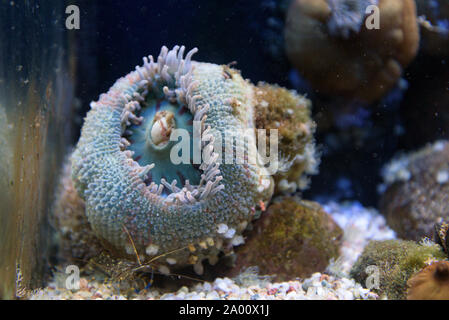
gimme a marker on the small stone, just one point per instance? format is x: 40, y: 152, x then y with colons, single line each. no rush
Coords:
x: 83, y: 284
x: 164, y: 270
x: 238, y: 240
x: 198, y: 268
x: 213, y: 295
x: 230, y: 233
x: 442, y: 176
x: 222, y: 228
x: 152, y: 249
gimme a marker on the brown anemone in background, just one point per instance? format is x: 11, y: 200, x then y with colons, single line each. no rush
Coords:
x: 351, y: 61
x: 431, y: 283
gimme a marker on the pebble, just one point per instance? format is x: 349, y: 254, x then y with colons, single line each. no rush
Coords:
x: 225, y: 289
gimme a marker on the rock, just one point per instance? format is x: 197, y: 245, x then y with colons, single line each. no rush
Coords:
x: 290, y: 114
x: 292, y: 239
x: 394, y: 261
x: 435, y: 37
x: 417, y: 191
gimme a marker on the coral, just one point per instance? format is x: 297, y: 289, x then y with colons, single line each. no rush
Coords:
x: 431, y: 283
x: 284, y: 110
x: 327, y: 42
x: 416, y: 194
x: 127, y: 164
x: 347, y: 16
x: 397, y: 261
x: 292, y: 239
x: 435, y: 29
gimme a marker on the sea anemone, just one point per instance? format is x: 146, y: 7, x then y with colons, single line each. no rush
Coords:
x: 431, y: 283
x: 347, y: 16
x: 328, y: 43
x: 149, y: 163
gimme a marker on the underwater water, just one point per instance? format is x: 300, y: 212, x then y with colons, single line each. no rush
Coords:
x: 224, y: 149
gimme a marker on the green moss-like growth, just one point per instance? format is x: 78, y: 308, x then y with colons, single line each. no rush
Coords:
x: 292, y: 239
x: 286, y: 111
x: 397, y: 261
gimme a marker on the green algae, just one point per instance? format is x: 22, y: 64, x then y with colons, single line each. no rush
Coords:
x: 398, y: 261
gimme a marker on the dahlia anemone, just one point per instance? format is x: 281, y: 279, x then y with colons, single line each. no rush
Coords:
x: 347, y: 16
x: 431, y: 283
x: 146, y: 192
x: 328, y: 43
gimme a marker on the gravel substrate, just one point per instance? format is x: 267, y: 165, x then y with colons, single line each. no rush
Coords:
x: 317, y: 287
x: 359, y: 224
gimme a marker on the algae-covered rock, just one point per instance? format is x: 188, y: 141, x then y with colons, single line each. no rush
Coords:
x: 284, y: 110
x: 417, y: 191
x: 292, y: 239
x: 397, y: 261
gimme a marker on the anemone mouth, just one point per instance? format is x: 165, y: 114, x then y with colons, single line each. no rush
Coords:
x: 159, y: 131
x: 162, y: 98
x: 152, y: 141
